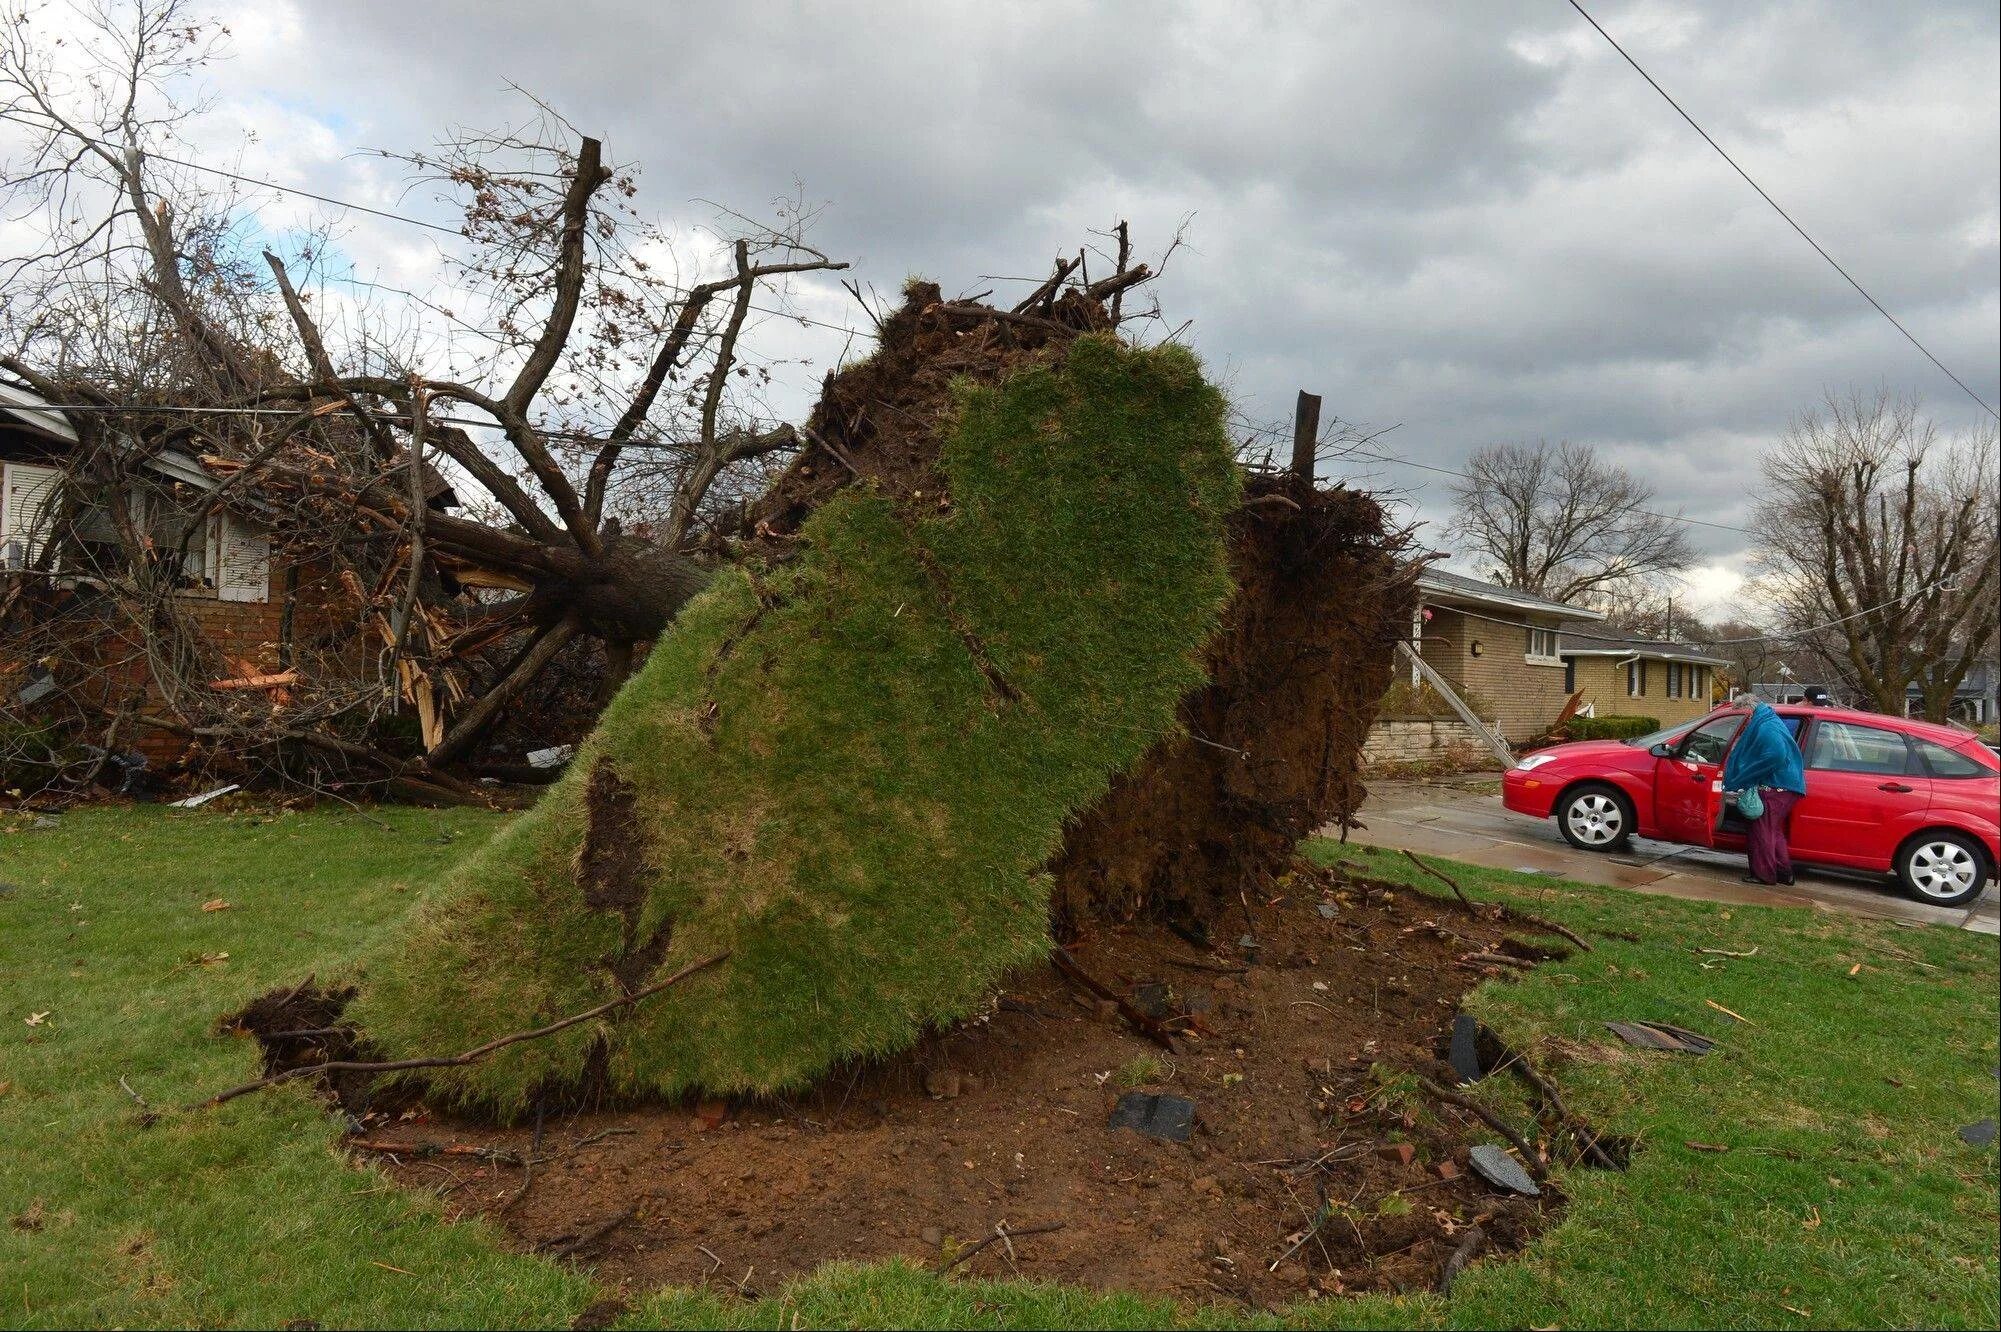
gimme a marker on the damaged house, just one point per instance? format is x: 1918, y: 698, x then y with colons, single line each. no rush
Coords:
x: 150, y: 608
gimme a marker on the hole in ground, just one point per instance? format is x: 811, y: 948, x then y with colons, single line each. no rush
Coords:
x: 1302, y: 1133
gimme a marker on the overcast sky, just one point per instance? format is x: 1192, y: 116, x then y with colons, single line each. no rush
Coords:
x: 1473, y: 220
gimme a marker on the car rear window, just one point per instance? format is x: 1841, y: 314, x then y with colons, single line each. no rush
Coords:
x: 1946, y: 762
x: 1837, y: 746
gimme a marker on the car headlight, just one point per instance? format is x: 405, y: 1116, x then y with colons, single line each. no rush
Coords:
x: 1530, y: 762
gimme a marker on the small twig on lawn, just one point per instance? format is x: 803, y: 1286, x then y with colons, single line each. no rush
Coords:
x: 712, y: 1258
x: 1725, y: 952
x: 147, y: 1115
x: 1001, y: 1232
x: 471, y: 1056
x: 1469, y: 1247
x: 1443, y: 878
x: 591, y: 1236
x: 1492, y: 1120
x: 1538, y: 923
x: 1729, y: 1013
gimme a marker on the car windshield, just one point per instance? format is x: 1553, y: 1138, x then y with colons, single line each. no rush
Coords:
x: 1671, y: 736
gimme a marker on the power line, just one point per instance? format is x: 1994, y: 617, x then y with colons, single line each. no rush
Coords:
x: 1784, y: 214
x: 435, y: 226
x: 1816, y: 628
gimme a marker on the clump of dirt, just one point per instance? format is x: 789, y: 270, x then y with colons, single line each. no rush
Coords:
x: 304, y: 1024
x: 1313, y: 1168
x: 1270, y: 748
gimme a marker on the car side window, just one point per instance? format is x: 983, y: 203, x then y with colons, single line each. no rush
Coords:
x: 1837, y: 746
x: 1710, y: 742
x: 1945, y: 762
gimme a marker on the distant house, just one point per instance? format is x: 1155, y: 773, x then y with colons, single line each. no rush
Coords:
x: 1499, y: 645
x: 1630, y: 675
x: 1973, y: 702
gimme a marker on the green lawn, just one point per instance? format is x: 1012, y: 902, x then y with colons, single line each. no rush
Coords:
x: 1844, y: 1199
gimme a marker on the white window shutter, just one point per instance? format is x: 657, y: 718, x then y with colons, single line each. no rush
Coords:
x: 242, y: 562
x: 27, y: 499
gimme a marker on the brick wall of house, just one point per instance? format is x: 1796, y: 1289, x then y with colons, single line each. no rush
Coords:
x: 1604, y: 683
x: 1521, y: 696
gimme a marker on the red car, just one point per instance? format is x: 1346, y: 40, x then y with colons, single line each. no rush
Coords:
x: 1883, y: 794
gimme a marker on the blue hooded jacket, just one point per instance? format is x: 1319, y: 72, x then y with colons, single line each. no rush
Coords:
x: 1765, y: 755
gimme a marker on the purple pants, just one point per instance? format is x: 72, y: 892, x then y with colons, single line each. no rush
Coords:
x: 1771, y: 859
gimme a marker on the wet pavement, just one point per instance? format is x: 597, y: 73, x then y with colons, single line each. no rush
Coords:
x: 1462, y: 818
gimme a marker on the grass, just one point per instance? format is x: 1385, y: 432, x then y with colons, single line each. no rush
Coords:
x: 825, y: 780
x: 1843, y: 1195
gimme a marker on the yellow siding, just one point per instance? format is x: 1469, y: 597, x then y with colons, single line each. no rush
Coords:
x: 1603, y: 682
x: 1522, y: 697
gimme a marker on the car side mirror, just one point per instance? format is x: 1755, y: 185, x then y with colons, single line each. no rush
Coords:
x: 1661, y: 751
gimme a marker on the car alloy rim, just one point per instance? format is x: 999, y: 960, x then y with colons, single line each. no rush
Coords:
x: 1595, y: 818
x: 1942, y: 869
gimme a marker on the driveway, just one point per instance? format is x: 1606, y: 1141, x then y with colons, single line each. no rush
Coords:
x: 1462, y: 818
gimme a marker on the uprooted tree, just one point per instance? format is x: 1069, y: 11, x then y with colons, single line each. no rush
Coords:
x: 1010, y: 635
x: 1014, y: 588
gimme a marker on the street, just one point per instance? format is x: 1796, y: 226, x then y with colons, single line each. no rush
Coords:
x: 1462, y: 817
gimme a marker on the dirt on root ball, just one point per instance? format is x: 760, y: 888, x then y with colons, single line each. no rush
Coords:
x: 1306, y: 1174
x: 1269, y: 749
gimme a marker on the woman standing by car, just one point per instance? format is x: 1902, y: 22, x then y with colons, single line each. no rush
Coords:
x: 1766, y: 769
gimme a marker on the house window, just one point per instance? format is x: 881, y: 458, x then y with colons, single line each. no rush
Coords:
x: 1636, y: 679
x: 1674, y: 679
x: 1542, y: 645
x: 27, y: 500
x: 1570, y: 675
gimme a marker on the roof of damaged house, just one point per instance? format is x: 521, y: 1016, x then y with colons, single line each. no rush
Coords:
x: 23, y: 408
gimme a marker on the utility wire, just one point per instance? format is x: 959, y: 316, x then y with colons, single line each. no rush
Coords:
x: 434, y: 226
x: 1818, y: 249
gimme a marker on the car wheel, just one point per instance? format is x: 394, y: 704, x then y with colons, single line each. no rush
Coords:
x: 1942, y: 867
x: 1595, y: 818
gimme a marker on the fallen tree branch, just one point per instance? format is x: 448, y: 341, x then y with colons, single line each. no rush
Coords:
x: 1492, y: 1121
x: 471, y: 1056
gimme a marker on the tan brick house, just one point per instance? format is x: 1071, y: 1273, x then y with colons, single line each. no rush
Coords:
x: 1499, y: 648
x: 1631, y: 676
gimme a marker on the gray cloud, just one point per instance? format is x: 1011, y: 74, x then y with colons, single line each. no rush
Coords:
x: 1475, y: 220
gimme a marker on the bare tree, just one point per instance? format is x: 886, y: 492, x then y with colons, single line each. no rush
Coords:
x: 597, y: 414
x: 1558, y: 521
x: 1879, y: 547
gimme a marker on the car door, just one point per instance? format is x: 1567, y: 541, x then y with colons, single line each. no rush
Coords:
x: 1687, y: 790
x: 1864, y: 790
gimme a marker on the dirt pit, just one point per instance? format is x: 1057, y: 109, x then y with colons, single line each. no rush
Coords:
x: 1308, y: 1174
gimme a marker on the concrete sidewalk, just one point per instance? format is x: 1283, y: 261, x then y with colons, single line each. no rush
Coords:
x: 1462, y: 818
